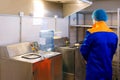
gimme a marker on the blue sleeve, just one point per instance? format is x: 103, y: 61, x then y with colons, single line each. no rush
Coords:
x: 85, y: 47
x: 114, y: 47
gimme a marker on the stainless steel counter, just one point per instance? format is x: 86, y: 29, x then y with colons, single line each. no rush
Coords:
x: 43, y: 55
x: 17, y: 62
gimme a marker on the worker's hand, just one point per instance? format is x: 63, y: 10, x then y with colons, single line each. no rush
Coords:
x: 85, y: 62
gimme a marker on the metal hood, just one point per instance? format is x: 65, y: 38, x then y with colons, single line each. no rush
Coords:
x: 72, y: 6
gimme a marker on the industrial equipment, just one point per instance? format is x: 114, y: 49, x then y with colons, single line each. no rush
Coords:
x: 18, y: 62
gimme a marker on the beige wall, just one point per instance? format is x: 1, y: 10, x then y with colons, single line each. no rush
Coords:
x: 53, y: 9
x: 105, y: 4
x: 14, y: 7
x: 27, y: 6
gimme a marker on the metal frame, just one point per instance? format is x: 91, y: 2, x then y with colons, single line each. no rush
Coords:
x: 118, y: 48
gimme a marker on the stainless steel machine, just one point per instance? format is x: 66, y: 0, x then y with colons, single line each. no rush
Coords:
x: 18, y: 62
x: 73, y: 63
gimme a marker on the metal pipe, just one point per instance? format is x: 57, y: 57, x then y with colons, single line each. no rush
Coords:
x: 20, y: 16
x: 20, y: 39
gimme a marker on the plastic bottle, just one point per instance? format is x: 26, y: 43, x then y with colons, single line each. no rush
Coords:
x: 48, y: 40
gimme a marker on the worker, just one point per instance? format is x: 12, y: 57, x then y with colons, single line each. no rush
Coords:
x: 98, y: 48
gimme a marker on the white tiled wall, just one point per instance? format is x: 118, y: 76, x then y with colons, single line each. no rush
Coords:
x: 73, y: 19
x: 72, y: 34
x: 80, y: 19
x: 88, y: 19
x: 10, y: 28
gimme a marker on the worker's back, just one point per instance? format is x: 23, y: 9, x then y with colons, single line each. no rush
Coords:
x: 101, y: 53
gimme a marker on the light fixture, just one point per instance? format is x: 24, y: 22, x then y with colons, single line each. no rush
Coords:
x: 39, y: 10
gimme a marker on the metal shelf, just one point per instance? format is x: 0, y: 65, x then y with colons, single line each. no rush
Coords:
x: 90, y: 12
x: 81, y: 26
x: 88, y: 26
x: 115, y: 26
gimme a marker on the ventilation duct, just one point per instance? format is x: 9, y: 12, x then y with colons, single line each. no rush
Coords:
x: 72, y: 6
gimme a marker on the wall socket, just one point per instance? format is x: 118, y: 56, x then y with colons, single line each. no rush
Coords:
x: 21, y: 13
